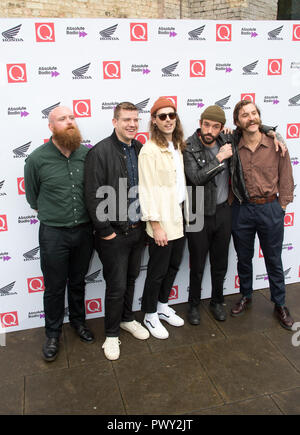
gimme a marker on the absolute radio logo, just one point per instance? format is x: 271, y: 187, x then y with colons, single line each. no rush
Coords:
x: 16, y: 73
x: 44, y: 32
x: 82, y: 108
x: 138, y: 32
x: 19, y: 110
x: 111, y: 70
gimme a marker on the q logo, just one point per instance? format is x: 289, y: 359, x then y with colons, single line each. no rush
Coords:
x: 9, y: 319
x: 293, y: 131
x: 173, y: 100
x: 82, y: 108
x: 93, y: 306
x: 21, y: 186
x: 44, y: 32
x: 289, y: 220
x: 274, y: 67
x: 249, y: 97
x: 3, y: 222
x: 142, y: 137
x: 174, y: 293
x: 197, y: 68
x: 111, y: 69
x: 35, y: 284
x: 16, y: 73
x: 296, y: 32
x: 223, y: 32
x: 236, y: 282
x: 138, y: 32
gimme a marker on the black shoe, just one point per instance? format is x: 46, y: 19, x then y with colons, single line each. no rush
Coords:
x: 218, y: 311
x: 84, y: 333
x: 193, y: 315
x: 50, y: 349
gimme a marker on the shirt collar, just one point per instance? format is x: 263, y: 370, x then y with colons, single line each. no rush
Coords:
x: 265, y: 141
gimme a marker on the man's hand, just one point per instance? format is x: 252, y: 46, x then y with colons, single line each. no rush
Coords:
x: 278, y: 142
x: 160, y: 237
x: 225, y: 152
x: 111, y: 236
x: 227, y: 130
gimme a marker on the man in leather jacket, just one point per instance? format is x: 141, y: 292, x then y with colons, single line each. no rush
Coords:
x: 211, y: 159
x: 111, y: 180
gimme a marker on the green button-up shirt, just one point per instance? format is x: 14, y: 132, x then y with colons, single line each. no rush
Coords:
x: 54, y: 185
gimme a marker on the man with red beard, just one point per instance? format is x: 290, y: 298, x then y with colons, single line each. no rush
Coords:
x: 54, y: 175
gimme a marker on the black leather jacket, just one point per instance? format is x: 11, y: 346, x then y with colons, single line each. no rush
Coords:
x: 105, y: 165
x: 201, y: 168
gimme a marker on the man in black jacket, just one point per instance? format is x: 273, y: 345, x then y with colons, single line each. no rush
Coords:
x: 209, y: 160
x: 111, y: 180
x: 206, y: 164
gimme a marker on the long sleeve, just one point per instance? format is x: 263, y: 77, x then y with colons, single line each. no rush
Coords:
x: 286, y: 180
x: 148, y: 187
x: 32, y: 183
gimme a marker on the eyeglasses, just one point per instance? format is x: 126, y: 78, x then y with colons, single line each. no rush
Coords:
x: 163, y: 116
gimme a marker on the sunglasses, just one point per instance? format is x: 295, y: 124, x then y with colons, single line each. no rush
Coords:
x: 163, y: 116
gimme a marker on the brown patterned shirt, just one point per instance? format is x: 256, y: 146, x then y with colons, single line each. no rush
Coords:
x: 266, y: 172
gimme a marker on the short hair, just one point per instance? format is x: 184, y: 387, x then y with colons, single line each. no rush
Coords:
x: 238, y: 107
x: 125, y: 105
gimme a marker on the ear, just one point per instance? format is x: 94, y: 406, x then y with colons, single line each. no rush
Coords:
x: 114, y: 122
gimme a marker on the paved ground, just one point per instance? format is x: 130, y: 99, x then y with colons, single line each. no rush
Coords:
x: 245, y: 365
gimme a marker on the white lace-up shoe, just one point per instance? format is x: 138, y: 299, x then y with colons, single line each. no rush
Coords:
x: 155, y: 327
x: 169, y: 315
x: 136, y: 329
x: 111, y: 348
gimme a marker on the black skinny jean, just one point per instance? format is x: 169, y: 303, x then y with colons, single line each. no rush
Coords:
x: 121, y: 260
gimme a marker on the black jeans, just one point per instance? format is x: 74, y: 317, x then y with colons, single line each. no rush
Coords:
x: 65, y: 257
x: 121, y: 260
x: 267, y: 221
x: 163, y: 265
x: 214, y: 238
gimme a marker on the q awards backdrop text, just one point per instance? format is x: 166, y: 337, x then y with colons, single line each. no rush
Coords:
x: 92, y: 64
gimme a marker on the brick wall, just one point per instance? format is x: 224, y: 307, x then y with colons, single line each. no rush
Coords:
x: 203, y: 9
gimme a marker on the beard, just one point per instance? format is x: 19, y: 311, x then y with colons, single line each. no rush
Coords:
x: 207, y: 138
x: 69, y: 138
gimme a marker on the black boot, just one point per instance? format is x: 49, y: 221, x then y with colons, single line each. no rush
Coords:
x: 50, y: 349
x: 193, y: 315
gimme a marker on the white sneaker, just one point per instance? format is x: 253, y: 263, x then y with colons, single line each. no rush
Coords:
x: 111, y: 348
x: 136, y: 329
x: 168, y: 314
x: 155, y: 327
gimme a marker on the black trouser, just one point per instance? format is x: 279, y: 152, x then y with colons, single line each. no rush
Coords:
x: 267, y: 221
x: 214, y: 238
x: 163, y: 265
x: 121, y: 260
x: 65, y: 257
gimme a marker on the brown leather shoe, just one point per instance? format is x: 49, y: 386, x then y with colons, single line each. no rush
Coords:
x: 240, y: 307
x: 284, y: 317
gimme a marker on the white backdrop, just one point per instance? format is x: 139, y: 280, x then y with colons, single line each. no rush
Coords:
x: 91, y: 65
